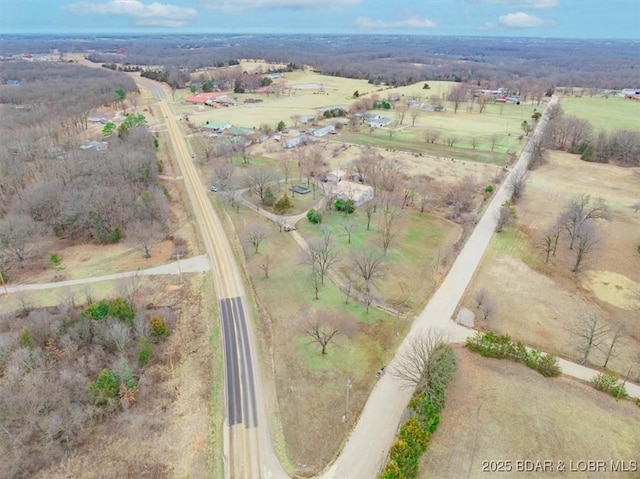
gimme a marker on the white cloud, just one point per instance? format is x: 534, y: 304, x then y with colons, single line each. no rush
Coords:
x: 239, y: 6
x: 533, y: 4
x: 413, y: 22
x: 520, y: 20
x: 145, y: 15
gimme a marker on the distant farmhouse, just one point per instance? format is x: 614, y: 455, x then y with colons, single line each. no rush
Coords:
x: 631, y: 93
x: 205, y: 98
x: 376, y: 121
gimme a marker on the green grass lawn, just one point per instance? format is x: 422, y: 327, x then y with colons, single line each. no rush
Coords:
x: 407, y: 281
x: 604, y: 113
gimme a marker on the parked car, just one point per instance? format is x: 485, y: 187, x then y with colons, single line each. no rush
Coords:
x: 288, y: 227
x: 213, y: 188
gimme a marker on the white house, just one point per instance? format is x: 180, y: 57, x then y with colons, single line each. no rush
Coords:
x: 348, y: 190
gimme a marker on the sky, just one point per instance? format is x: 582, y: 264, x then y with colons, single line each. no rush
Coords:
x: 607, y: 19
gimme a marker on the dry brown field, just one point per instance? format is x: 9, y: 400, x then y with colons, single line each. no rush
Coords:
x: 538, y: 303
x: 499, y: 413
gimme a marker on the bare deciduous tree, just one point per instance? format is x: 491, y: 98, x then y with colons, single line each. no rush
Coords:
x: 322, y: 254
x: 580, y: 210
x: 610, y: 349
x: 588, y: 240
x: 549, y: 241
x: 475, y: 141
x: 427, y: 364
x: 19, y: 237
x: 255, y: 234
x: 322, y: 329
x: 400, y: 108
x: 265, y: 265
x: 388, y: 224
x: 432, y: 135
x: 368, y: 263
x: 348, y: 226
x: 414, y: 113
x: 258, y: 179
x: 517, y: 183
x: 450, y: 140
x: 457, y: 95
x: 487, y: 308
x: 590, y: 332
x: 145, y: 234
x: 503, y: 216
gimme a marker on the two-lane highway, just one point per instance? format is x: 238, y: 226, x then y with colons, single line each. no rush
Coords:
x: 247, y: 447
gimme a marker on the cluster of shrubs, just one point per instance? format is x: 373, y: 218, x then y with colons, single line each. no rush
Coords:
x: 314, y: 216
x: 492, y: 346
x: 609, y: 383
x: 425, y: 405
x: 346, y: 206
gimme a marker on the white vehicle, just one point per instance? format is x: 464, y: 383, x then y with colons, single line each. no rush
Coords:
x: 213, y: 188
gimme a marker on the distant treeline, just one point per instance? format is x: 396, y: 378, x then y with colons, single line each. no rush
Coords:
x: 389, y: 59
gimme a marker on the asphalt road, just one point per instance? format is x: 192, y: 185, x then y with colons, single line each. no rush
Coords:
x: 248, y: 453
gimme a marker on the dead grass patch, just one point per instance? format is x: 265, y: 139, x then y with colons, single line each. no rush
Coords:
x: 500, y: 411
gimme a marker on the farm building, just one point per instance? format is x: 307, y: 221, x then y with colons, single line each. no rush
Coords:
x: 304, y: 119
x: 348, y: 190
x: 324, y: 131
x: 217, y: 126
x: 297, y: 141
x: 202, y: 98
x: 240, y: 131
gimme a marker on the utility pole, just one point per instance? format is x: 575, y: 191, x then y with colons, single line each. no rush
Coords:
x: 179, y: 268
x: 346, y: 410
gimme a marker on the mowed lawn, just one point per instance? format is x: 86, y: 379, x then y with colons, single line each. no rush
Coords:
x: 407, y: 278
x: 607, y: 114
x: 497, y: 410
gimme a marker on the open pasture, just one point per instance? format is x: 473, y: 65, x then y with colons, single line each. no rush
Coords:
x: 606, y: 114
x: 539, y: 303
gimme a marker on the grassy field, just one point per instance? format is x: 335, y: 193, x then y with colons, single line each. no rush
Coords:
x: 503, y: 120
x: 500, y: 411
x: 546, y: 300
x: 311, y: 386
x: 604, y: 113
x: 410, y: 264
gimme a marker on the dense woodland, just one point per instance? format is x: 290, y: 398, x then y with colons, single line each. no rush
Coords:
x: 49, y: 185
x: 390, y: 59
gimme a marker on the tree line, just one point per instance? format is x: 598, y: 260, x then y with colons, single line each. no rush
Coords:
x: 390, y: 59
